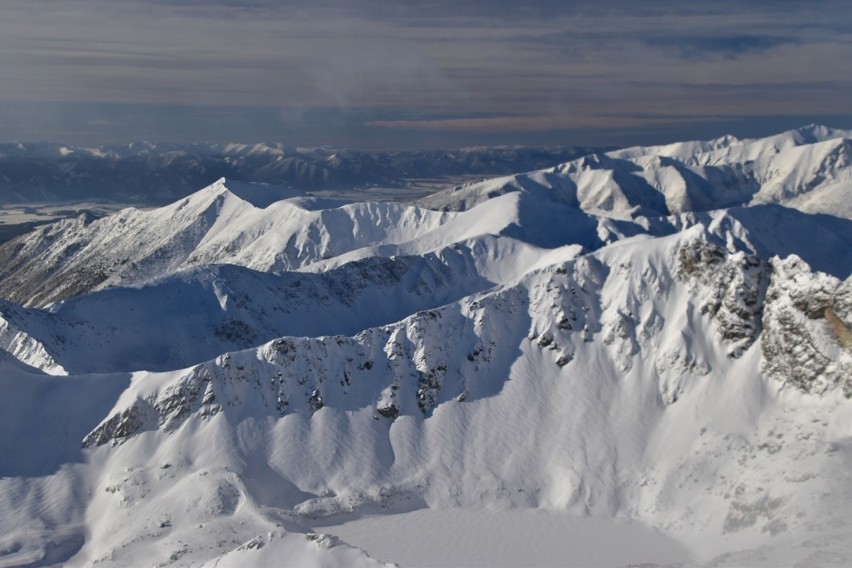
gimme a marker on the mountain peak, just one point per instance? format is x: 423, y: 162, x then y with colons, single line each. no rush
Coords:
x: 259, y: 195
x: 796, y: 168
x: 612, y: 339
x: 814, y: 133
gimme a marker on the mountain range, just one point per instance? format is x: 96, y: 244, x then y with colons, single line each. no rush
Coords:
x: 657, y: 335
x: 156, y: 174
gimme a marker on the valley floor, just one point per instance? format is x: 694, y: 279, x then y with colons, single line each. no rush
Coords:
x: 498, y: 538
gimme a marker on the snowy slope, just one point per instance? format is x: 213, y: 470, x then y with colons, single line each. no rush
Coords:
x: 224, y: 380
x: 600, y: 385
x: 809, y: 168
x: 232, y: 308
x: 233, y: 223
x: 270, y: 229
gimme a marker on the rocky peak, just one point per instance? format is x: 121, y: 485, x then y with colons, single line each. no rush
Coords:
x: 806, y: 339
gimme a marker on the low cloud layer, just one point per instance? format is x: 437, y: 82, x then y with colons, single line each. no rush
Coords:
x: 374, y: 73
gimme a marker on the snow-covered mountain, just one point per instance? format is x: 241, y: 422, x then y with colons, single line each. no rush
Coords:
x: 222, y: 379
x: 148, y: 173
x: 809, y: 168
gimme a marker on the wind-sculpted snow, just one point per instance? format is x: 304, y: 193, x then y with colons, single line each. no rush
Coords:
x: 455, y: 353
x: 448, y: 354
x: 809, y: 168
x: 228, y: 375
x: 600, y: 385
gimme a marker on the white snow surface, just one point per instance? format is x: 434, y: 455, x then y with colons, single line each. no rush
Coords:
x: 507, y: 538
x: 809, y: 168
x: 250, y: 377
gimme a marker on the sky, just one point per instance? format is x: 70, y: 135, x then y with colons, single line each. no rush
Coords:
x: 370, y: 74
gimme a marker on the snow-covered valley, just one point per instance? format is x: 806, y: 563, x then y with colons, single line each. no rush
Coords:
x: 650, y: 347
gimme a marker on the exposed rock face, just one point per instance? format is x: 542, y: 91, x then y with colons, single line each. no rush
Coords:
x: 805, y: 341
x: 735, y: 285
x: 437, y: 356
x: 121, y: 425
x: 46, y: 256
x: 167, y: 410
x: 304, y: 374
x: 524, y: 355
x: 803, y: 321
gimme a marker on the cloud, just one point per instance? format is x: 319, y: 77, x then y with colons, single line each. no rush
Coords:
x: 529, y: 124
x: 692, y: 47
x: 461, y: 67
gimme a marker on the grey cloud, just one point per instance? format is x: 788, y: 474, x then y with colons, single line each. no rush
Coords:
x: 724, y: 45
x: 371, y: 67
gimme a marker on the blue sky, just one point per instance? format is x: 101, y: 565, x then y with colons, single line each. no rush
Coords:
x: 379, y: 74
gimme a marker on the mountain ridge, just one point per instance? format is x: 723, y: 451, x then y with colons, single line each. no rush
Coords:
x: 155, y: 174
x: 675, y: 178
x: 220, y: 379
